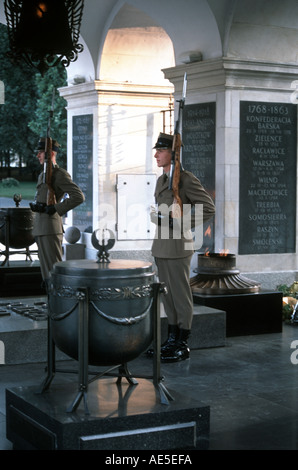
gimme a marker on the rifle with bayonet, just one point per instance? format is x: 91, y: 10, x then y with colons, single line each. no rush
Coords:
x: 176, y: 163
x: 48, y: 165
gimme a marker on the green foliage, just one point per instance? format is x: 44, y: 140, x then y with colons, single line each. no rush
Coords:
x: 286, y: 290
x: 9, y: 182
x: 19, y: 89
x: 25, y: 112
x: 55, y: 77
x: 289, y: 292
x: 25, y: 188
x: 287, y: 312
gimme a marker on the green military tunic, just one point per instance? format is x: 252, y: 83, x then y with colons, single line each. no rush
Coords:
x: 173, y: 253
x: 48, y: 229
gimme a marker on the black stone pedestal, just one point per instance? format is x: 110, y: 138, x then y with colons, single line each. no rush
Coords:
x: 21, y: 279
x: 247, y: 314
x: 122, y: 417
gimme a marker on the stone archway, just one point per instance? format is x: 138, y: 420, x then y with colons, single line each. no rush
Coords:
x: 136, y: 49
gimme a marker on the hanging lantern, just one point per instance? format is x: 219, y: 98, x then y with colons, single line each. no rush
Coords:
x: 44, y: 33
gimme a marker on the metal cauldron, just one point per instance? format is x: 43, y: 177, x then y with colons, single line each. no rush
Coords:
x: 120, y: 308
x: 16, y: 225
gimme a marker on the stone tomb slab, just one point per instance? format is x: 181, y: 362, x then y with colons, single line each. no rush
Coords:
x: 23, y: 330
x: 208, y: 327
x: 247, y: 314
x: 121, y: 417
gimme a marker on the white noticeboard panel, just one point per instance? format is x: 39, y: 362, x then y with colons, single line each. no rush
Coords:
x: 135, y: 195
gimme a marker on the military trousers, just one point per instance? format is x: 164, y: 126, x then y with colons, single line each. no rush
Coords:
x: 178, y: 302
x: 49, y: 252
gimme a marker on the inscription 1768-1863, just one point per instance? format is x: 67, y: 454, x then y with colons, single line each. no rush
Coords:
x: 267, y: 208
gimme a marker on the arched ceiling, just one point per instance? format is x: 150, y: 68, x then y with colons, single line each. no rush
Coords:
x: 176, y: 19
x: 136, y: 49
x: 252, y: 29
x: 265, y: 30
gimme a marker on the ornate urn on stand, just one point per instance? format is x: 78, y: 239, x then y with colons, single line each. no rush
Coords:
x: 104, y: 313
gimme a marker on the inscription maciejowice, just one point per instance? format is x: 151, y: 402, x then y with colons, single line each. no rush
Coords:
x: 198, y: 153
x: 82, y: 155
x: 267, y: 207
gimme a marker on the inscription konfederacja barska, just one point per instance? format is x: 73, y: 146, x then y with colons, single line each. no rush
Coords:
x: 267, y: 208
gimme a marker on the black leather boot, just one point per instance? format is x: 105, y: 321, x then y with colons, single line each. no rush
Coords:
x: 173, y: 334
x: 179, y: 351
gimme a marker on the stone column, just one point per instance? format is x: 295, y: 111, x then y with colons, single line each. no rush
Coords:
x: 126, y: 121
x: 227, y: 82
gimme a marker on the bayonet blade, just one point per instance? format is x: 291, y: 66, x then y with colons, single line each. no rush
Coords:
x: 184, y: 87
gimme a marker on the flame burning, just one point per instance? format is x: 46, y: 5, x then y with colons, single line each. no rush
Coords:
x: 224, y: 252
x: 208, y: 232
x: 221, y: 252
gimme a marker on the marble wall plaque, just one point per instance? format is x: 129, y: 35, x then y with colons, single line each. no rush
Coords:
x: 267, y: 206
x: 82, y: 154
x: 198, y: 154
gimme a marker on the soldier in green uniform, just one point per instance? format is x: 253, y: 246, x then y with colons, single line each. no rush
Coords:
x: 48, y: 226
x: 173, y: 253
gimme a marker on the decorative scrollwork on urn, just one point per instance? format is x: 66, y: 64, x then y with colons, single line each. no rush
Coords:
x: 105, y: 293
x: 120, y: 293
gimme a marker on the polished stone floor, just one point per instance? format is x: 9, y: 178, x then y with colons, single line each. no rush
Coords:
x: 251, y: 386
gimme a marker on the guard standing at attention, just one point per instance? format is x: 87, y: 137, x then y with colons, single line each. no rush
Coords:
x: 48, y: 225
x: 173, y: 253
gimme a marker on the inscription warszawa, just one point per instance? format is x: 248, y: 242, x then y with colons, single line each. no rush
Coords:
x: 267, y: 209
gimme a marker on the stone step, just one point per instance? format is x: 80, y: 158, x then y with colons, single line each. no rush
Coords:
x: 208, y: 327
